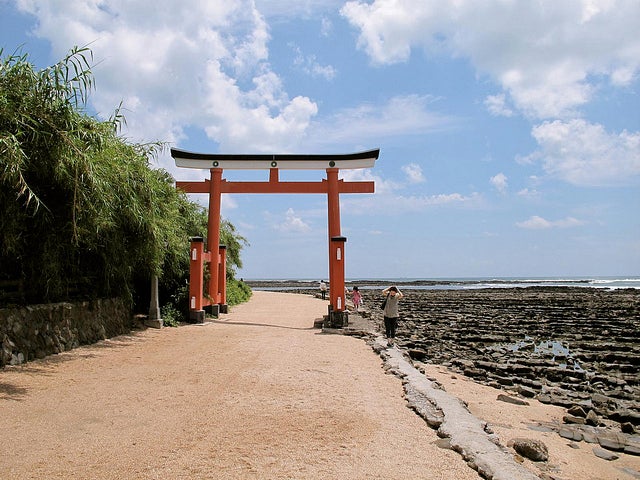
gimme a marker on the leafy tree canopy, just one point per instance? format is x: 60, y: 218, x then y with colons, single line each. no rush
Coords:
x: 82, y: 213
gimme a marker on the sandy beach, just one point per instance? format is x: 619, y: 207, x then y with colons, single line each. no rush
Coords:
x: 258, y: 393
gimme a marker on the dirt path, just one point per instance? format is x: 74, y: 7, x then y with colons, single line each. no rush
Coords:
x: 259, y: 394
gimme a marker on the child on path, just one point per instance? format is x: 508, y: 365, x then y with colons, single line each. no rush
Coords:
x: 356, y: 298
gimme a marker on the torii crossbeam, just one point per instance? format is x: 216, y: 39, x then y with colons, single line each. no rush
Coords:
x: 331, y: 186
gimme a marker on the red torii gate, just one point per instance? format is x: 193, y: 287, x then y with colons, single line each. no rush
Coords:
x: 216, y: 186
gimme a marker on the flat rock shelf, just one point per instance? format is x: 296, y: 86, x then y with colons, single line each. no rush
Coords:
x: 565, y: 346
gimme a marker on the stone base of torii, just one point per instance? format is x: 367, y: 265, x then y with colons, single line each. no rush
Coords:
x: 215, y: 186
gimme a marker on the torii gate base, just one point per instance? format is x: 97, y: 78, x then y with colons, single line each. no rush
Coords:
x: 331, y: 186
x: 199, y: 304
x: 337, y: 317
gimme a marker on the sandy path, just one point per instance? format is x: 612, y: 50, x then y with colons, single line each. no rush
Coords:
x: 257, y: 394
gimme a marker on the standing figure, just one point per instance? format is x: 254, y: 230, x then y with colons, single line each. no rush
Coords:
x: 356, y: 298
x: 393, y: 295
x: 323, y: 289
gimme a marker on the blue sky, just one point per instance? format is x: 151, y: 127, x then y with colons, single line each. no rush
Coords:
x: 509, y: 131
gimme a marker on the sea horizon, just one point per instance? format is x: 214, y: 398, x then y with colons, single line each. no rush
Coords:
x: 441, y: 283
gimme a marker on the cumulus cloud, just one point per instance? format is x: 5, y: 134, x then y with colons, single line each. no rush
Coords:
x: 542, y: 57
x: 586, y: 154
x: 413, y: 171
x: 214, y: 54
x: 292, y: 223
x: 538, y: 223
x: 499, y: 182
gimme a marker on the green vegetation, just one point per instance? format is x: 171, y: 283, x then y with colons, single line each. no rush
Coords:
x: 82, y: 213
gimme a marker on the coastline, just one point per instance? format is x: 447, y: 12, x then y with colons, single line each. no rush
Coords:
x: 462, y: 283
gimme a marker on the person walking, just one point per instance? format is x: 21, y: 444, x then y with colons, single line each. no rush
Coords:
x: 391, y: 314
x: 356, y: 298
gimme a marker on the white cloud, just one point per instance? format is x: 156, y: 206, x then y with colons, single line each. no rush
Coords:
x: 538, y: 223
x: 499, y: 181
x: 529, y: 193
x: 391, y: 203
x: 310, y: 65
x: 326, y: 27
x: 413, y: 172
x: 412, y: 203
x: 292, y: 223
x: 371, y: 122
x: 542, y: 55
x: 205, y: 67
x: 497, y: 105
x: 296, y: 8
x: 586, y: 154
x: 389, y: 198
x: 383, y: 186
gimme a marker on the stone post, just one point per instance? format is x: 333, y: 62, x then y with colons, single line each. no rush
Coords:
x: 154, y: 320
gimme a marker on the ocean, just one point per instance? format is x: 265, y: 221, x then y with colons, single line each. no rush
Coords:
x: 459, y: 283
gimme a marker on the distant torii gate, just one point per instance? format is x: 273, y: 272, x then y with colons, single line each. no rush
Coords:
x: 216, y: 186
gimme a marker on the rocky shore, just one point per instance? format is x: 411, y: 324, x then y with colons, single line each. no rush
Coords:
x: 564, y: 346
x: 578, y: 348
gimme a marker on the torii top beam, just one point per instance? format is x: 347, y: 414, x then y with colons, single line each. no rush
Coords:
x: 268, y: 161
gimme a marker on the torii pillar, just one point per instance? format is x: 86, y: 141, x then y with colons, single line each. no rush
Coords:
x: 332, y: 186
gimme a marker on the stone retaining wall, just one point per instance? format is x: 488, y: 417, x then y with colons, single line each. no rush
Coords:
x: 35, y: 331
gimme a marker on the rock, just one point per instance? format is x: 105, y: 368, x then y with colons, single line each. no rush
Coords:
x: 632, y: 450
x: 526, y: 391
x: 534, y: 450
x: 574, y: 420
x: 515, y: 401
x: 612, y: 441
x: 589, y: 437
x: 604, y: 454
x: 417, y: 353
x: 624, y: 415
x: 577, y: 411
x: 592, y: 418
x: 570, y: 434
x: 627, y: 427
x: 544, y: 398
x: 501, y: 336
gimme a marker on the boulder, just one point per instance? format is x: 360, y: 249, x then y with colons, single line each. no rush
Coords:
x: 534, y: 450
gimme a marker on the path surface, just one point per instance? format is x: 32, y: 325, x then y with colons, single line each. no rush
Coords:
x: 258, y: 394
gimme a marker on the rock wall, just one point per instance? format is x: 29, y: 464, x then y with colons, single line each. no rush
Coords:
x: 35, y: 331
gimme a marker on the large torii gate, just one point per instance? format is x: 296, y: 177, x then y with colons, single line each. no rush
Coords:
x: 216, y: 186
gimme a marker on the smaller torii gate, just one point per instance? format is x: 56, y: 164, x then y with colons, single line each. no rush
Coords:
x: 332, y: 186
